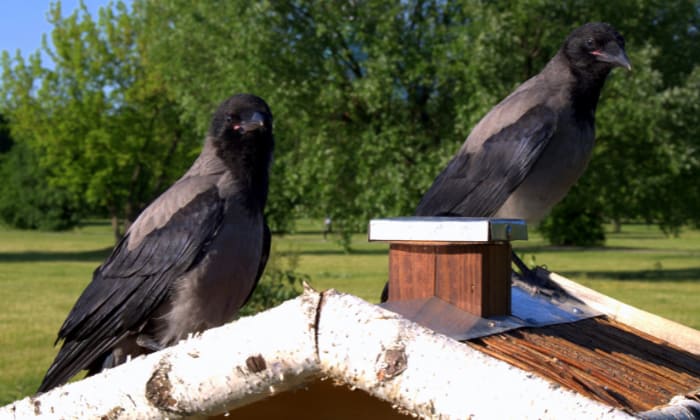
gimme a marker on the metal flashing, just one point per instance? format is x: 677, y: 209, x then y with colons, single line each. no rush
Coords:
x: 446, y: 229
x: 528, y: 310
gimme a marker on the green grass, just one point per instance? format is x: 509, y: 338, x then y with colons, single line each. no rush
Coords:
x: 41, y: 275
x: 640, y: 266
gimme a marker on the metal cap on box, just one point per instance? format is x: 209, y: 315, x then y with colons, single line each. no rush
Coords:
x: 446, y: 229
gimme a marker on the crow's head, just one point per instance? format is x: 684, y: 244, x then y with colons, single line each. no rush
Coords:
x: 596, y: 48
x: 240, y: 116
x: 241, y: 132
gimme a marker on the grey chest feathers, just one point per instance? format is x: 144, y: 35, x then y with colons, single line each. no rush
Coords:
x: 561, y: 164
x: 211, y: 294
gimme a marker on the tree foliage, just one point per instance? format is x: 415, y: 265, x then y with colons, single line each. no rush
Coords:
x: 102, y: 122
x: 575, y: 221
x: 371, y: 98
x: 27, y: 202
x: 6, y: 141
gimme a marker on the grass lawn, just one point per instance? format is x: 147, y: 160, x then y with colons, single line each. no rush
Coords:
x: 41, y: 275
x: 640, y: 266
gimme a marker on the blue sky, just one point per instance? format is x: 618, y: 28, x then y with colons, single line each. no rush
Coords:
x: 22, y: 22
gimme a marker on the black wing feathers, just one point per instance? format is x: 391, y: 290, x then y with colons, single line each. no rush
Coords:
x: 267, y: 239
x: 131, y: 284
x: 477, y: 184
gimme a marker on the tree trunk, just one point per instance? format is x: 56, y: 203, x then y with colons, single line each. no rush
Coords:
x: 116, y: 228
x: 617, y: 225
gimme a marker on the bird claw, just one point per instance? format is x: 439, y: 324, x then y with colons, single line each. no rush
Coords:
x: 148, y: 343
x: 529, y: 280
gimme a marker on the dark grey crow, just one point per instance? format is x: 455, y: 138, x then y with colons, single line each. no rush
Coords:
x: 190, y: 260
x: 526, y: 153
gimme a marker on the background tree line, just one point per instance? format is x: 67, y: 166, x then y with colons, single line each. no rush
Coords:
x: 371, y: 98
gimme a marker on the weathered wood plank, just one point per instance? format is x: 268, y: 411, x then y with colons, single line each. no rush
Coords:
x: 602, y: 359
x: 473, y: 277
x: 411, y: 271
x: 663, y: 329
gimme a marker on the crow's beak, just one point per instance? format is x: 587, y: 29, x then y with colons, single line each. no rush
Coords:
x: 613, y: 54
x: 256, y: 121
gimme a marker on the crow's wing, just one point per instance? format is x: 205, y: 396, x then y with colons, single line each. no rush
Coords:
x: 132, y: 283
x: 477, y: 183
x: 267, y: 239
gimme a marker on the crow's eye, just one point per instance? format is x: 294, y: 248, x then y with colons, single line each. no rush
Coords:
x: 229, y: 119
x: 590, y: 43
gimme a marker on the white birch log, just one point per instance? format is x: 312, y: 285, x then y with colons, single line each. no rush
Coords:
x: 680, y: 408
x: 316, y: 335
x: 222, y: 369
x: 432, y: 375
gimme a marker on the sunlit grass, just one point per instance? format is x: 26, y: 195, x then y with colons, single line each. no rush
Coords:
x: 42, y: 274
x: 640, y: 266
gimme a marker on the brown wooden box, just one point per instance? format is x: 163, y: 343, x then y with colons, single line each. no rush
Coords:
x: 475, y: 277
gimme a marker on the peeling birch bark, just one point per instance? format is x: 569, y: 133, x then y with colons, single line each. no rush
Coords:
x: 317, y: 335
x: 680, y: 408
x: 219, y: 370
x: 432, y: 375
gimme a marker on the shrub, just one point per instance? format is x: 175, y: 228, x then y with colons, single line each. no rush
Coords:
x: 575, y: 221
x: 280, y: 282
x: 26, y: 199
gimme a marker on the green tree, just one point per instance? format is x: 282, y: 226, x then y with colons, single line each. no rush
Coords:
x: 681, y: 191
x: 364, y: 93
x: 103, y: 123
x: 372, y: 97
x: 27, y: 201
x: 6, y: 141
x: 102, y: 131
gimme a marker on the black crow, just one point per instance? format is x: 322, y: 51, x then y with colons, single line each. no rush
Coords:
x: 190, y: 260
x: 526, y: 153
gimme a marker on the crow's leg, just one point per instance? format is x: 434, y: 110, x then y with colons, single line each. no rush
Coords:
x: 385, y: 293
x: 527, y: 275
x: 528, y: 280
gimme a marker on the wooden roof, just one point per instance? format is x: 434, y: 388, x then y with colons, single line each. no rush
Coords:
x: 602, y: 359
